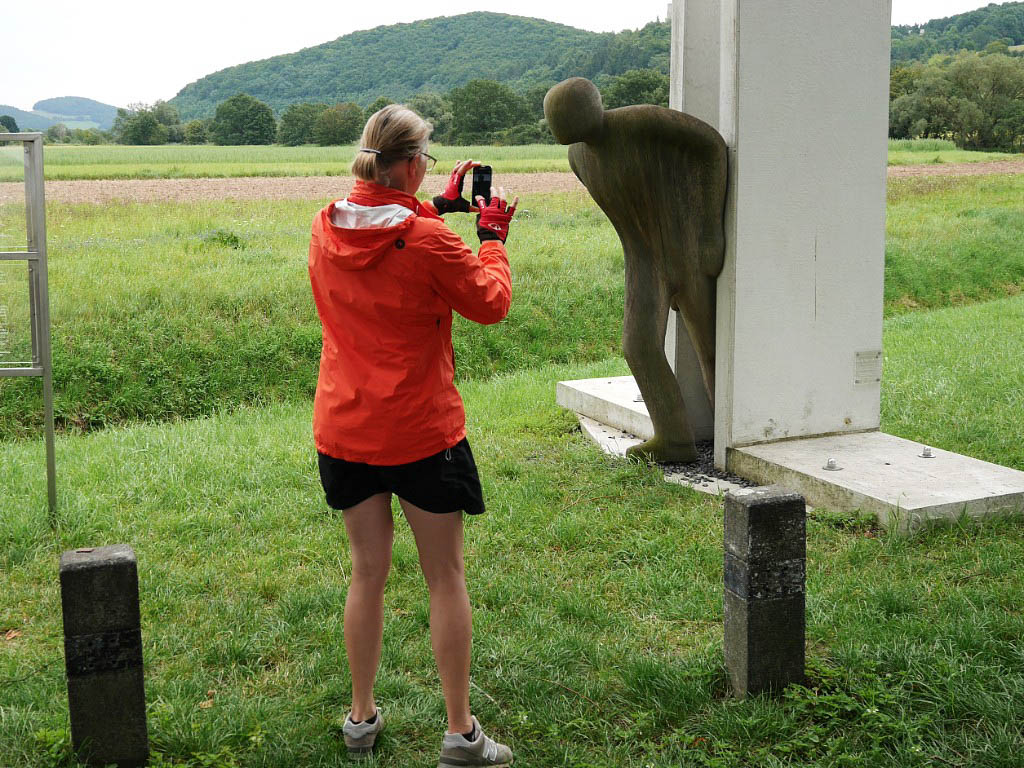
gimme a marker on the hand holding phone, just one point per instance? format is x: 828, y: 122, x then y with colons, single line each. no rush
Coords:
x: 451, y: 198
x: 482, y: 183
x: 495, y: 216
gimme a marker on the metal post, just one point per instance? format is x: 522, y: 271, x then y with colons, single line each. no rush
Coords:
x: 45, y: 353
x: 39, y: 295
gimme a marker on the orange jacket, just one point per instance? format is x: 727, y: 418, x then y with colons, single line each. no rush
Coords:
x: 386, y: 274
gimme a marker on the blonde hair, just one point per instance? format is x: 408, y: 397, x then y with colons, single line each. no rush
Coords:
x: 394, y: 133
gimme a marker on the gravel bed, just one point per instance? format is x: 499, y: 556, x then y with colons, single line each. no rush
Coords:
x: 703, y: 470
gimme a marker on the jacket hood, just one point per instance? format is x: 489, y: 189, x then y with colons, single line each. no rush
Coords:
x: 357, y: 231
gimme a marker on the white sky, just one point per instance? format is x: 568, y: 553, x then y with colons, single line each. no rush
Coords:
x: 121, y: 51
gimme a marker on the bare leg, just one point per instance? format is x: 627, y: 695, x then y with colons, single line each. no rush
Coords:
x: 439, y: 541
x: 370, y: 533
x: 643, y: 343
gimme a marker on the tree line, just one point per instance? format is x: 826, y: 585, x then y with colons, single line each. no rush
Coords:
x: 975, y: 99
x: 479, y: 112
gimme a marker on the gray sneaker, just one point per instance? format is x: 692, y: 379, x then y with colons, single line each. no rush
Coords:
x: 457, y: 750
x: 359, y: 737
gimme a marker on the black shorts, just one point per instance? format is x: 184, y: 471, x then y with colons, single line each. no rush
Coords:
x: 445, y: 482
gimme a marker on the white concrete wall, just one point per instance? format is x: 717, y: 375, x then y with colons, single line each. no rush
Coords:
x: 802, y: 100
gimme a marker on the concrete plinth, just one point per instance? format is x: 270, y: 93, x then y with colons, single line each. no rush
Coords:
x: 883, y: 475
x: 103, y: 655
x: 614, y: 401
x: 764, y: 574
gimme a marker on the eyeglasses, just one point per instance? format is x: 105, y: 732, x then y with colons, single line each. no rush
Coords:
x: 431, y: 161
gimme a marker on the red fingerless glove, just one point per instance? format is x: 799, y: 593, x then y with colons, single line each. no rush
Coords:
x: 451, y: 200
x: 493, y: 221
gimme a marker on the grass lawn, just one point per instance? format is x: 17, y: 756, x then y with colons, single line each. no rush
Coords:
x: 174, y: 161
x: 596, y: 587
x: 953, y: 240
x: 173, y: 310
x: 937, y: 152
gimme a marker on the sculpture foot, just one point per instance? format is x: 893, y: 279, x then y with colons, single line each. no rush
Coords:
x: 657, y: 449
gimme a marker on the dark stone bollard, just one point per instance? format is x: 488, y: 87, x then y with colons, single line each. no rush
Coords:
x: 103, y: 652
x: 765, y: 567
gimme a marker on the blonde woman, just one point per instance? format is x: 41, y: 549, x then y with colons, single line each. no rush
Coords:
x: 386, y: 274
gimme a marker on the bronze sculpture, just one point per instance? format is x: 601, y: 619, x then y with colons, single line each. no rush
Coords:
x: 660, y: 176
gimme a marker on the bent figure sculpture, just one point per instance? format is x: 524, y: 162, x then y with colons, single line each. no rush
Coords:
x: 660, y: 176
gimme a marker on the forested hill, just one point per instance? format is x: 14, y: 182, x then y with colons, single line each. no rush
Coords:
x: 439, y: 54
x: 972, y: 31
x: 434, y: 55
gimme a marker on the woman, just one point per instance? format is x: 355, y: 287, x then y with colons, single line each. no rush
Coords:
x: 386, y: 274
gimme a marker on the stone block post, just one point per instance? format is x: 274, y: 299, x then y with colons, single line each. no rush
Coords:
x: 103, y: 653
x: 765, y: 566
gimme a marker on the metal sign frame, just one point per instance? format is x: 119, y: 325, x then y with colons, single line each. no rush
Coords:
x: 41, y: 364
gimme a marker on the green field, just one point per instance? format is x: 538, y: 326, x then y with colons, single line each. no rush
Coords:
x: 938, y: 152
x: 185, y: 347
x: 953, y: 241
x: 178, y: 161
x: 596, y: 591
x: 182, y: 161
x: 176, y: 310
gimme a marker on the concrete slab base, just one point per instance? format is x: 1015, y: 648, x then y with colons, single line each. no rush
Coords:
x: 883, y: 475
x: 616, y: 442
x: 615, y: 401
x: 877, y: 473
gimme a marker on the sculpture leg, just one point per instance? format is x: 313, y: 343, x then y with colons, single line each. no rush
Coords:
x: 696, y: 303
x: 643, y: 344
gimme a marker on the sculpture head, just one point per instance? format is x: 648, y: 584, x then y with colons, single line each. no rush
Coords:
x: 574, y: 111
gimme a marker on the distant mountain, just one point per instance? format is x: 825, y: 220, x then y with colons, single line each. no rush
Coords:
x: 73, y: 111
x: 27, y: 121
x: 970, y: 31
x: 435, y: 55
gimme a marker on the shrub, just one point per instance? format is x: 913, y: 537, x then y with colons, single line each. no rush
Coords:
x: 296, y: 126
x: 436, y: 110
x: 637, y: 86
x: 58, y: 133
x: 340, y: 124
x: 527, y: 133
x: 195, y: 132
x: 147, y: 124
x: 481, y: 107
x: 244, y: 120
x: 88, y: 136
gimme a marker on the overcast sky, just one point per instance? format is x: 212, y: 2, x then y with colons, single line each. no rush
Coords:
x: 121, y: 51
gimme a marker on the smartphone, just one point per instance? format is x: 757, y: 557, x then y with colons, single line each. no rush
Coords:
x: 482, y: 183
